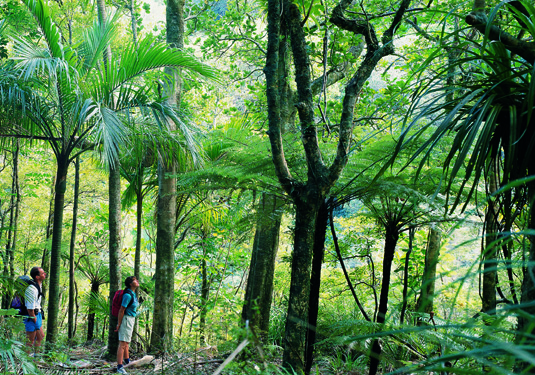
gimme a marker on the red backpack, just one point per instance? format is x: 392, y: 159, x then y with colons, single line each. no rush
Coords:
x: 118, y: 300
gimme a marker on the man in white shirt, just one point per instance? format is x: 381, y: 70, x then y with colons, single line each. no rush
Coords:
x: 32, y: 297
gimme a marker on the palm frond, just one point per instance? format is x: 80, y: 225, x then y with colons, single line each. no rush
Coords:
x: 95, y: 41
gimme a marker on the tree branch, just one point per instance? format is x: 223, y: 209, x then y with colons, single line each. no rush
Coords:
x: 526, y: 50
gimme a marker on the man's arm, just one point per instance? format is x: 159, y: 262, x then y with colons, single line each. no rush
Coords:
x: 31, y: 295
x: 121, y: 315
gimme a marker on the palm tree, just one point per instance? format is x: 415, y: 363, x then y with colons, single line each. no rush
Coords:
x: 61, y: 96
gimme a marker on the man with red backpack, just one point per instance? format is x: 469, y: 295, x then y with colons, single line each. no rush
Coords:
x: 127, y: 318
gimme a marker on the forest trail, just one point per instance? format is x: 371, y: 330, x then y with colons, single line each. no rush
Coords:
x: 88, y: 360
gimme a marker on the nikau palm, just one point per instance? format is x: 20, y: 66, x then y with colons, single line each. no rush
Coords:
x: 59, y: 94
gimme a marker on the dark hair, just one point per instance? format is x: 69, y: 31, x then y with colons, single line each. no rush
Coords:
x: 34, y: 272
x: 129, y: 281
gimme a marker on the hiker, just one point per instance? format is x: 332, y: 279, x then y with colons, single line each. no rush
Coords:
x: 127, y: 318
x: 32, y: 297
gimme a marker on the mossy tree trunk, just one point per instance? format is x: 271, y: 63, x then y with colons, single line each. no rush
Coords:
x: 424, y: 303
x: 259, y: 288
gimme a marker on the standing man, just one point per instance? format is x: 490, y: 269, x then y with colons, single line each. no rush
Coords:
x: 32, y: 298
x: 127, y: 319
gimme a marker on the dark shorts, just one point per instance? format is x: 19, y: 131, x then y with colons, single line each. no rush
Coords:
x: 31, y: 325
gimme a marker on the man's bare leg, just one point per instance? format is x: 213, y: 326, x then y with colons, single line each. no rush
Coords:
x: 120, y: 353
x: 39, y: 336
x: 31, y: 338
x: 125, y: 353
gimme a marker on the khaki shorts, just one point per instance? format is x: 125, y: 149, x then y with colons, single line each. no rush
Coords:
x: 127, y: 327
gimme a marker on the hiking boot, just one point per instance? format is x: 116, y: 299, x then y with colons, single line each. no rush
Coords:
x: 121, y: 370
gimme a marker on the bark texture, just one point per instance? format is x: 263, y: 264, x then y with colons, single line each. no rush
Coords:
x: 425, y: 300
x: 259, y: 288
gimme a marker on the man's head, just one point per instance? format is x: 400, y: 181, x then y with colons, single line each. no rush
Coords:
x: 129, y: 281
x: 37, y: 273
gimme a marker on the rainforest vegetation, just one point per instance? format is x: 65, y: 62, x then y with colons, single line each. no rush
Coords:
x: 300, y: 187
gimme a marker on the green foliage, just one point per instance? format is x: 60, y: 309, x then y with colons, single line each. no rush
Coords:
x: 13, y: 357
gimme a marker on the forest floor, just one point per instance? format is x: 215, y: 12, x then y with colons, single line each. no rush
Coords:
x: 90, y: 360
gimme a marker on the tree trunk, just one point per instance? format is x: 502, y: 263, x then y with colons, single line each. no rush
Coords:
x: 45, y: 261
x: 11, y: 241
x: 391, y: 239
x: 70, y: 323
x: 315, y: 283
x: 162, y: 326
x: 133, y: 21
x: 114, y: 250
x: 406, y: 274
x: 55, y: 251
x: 91, y: 316
x: 101, y: 12
x: 205, y: 290
x: 490, y: 248
x: 16, y: 209
x: 259, y: 288
x: 139, y: 228
x: 427, y: 293
x: 162, y: 323
x: 297, y: 317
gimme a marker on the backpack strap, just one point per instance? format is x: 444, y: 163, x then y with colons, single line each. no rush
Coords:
x: 36, y: 285
x: 129, y: 291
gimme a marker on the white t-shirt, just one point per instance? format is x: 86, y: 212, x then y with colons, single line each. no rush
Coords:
x: 32, y: 298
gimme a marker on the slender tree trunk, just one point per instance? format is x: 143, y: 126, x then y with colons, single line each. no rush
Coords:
x: 55, y: 251
x: 133, y: 21
x: 16, y: 208
x: 114, y: 250
x: 114, y: 213
x: 72, y: 247
x: 91, y: 316
x: 162, y: 326
x: 9, y: 258
x: 137, y: 256
x: 297, y: 317
x: 406, y: 274
x: 391, y: 239
x: 205, y: 290
x: 5, y: 271
x: 139, y: 228
x: 45, y: 260
x: 427, y: 293
x: 490, y: 249
x: 315, y: 283
x: 101, y: 12
x: 259, y: 288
